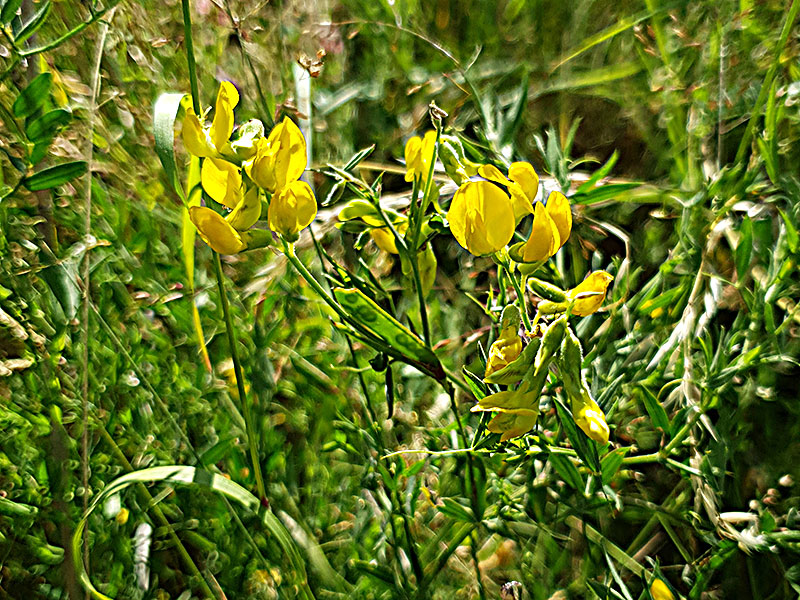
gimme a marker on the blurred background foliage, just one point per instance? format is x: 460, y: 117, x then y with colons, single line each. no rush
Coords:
x: 695, y: 105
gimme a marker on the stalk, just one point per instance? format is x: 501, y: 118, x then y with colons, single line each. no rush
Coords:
x: 237, y: 371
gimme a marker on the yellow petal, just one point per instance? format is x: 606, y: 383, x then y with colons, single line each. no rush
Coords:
x: 492, y: 173
x: 660, y: 591
x: 247, y: 212
x: 222, y: 181
x: 419, y: 154
x: 216, y: 231
x: 222, y: 125
x: 261, y: 168
x: 511, y: 425
x: 290, y: 157
x: 384, y: 238
x: 589, y: 295
x: 519, y: 202
x: 561, y: 214
x: 195, y: 138
x: 590, y: 419
x: 522, y: 174
x: 481, y: 217
x: 505, y: 350
x: 292, y: 209
x: 543, y: 241
x: 412, y: 153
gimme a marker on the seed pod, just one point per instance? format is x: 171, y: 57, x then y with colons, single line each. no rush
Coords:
x: 546, y: 291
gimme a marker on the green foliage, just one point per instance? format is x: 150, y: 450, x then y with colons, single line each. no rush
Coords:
x: 675, y: 126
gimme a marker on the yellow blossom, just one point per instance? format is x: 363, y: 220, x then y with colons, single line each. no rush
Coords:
x: 208, y: 142
x: 518, y: 410
x: 419, y: 154
x: 590, y: 418
x: 551, y: 227
x: 505, y: 350
x: 481, y: 217
x: 522, y: 184
x: 222, y: 181
x: 216, y: 231
x: 660, y: 591
x: 384, y: 238
x: 588, y: 296
x: 292, y: 209
x: 280, y: 159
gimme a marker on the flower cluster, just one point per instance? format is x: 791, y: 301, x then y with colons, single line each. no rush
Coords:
x: 238, y: 173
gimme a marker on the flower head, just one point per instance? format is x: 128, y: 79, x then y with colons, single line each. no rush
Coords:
x: 280, y: 159
x: 292, y: 209
x: 481, y: 217
x: 209, y: 142
x: 419, y: 154
x: 505, y: 350
x: 588, y: 296
x: 590, y: 418
x: 660, y: 591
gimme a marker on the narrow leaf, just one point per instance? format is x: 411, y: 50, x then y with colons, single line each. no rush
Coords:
x: 55, y: 176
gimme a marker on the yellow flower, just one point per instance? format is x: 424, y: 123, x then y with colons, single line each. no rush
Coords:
x: 216, y: 231
x: 522, y: 184
x: 419, y: 154
x: 481, y: 217
x: 551, y: 227
x: 590, y: 418
x: 280, y: 159
x: 222, y: 181
x: 660, y: 591
x: 505, y: 350
x: 588, y: 296
x: 518, y: 410
x: 208, y: 142
x: 292, y: 209
x: 384, y: 238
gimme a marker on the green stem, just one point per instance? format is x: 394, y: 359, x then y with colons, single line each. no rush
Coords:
x: 520, y: 298
x: 187, y: 35
x: 423, y: 309
x: 237, y: 370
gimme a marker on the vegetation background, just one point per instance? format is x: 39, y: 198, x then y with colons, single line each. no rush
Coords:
x: 693, y: 107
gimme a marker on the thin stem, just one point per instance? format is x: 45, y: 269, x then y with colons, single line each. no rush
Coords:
x: 520, y: 298
x: 86, y: 272
x: 423, y: 309
x: 187, y: 34
x: 237, y: 371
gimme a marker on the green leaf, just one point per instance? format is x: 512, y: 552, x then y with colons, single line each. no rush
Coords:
x: 365, y: 311
x: 62, y: 283
x: 55, y: 176
x: 36, y: 21
x: 457, y: 511
x: 190, y: 476
x: 599, y: 174
x: 611, y: 463
x: 358, y: 157
x: 33, y: 96
x: 657, y: 413
x: 46, y: 126
x: 9, y: 11
x: 164, y: 113
x: 744, y: 249
x: 567, y: 470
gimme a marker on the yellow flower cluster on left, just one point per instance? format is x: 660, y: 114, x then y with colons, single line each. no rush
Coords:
x: 238, y: 173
